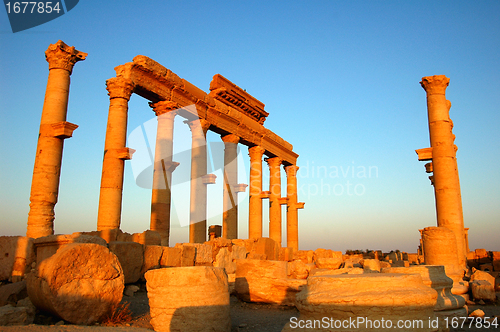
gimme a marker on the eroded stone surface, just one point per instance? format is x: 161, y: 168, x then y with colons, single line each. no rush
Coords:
x: 80, y: 283
x: 189, y: 299
x: 131, y: 256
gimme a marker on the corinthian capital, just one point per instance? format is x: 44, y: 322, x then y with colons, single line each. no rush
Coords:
x: 62, y: 56
x: 164, y: 106
x: 119, y: 87
x: 274, y: 162
x: 256, y: 152
x: 198, y: 126
x: 436, y: 84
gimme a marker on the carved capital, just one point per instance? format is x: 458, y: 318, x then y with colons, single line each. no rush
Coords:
x: 164, y: 106
x: 256, y: 152
x: 231, y: 138
x: 274, y: 162
x: 119, y: 87
x: 198, y: 124
x: 62, y: 56
x: 436, y: 84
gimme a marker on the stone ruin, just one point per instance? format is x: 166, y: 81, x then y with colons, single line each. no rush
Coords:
x: 81, y: 277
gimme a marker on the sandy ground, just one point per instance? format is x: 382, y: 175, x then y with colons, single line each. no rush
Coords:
x: 245, y: 317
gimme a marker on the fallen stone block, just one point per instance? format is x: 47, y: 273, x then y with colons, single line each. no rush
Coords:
x: 149, y: 237
x: 80, y: 283
x: 131, y: 256
x: 371, y: 265
x: 152, y: 257
x: 11, y: 293
x: 483, y: 290
x: 171, y: 257
x: 266, y: 247
x: 189, y: 299
x: 10, y: 315
x: 328, y: 263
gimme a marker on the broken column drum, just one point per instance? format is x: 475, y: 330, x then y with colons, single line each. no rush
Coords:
x: 53, y: 130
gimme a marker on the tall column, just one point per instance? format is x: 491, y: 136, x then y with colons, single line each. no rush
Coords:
x: 163, y: 167
x: 275, y: 198
x: 292, y: 215
x: 115, y: 154
x: 53, y: 130
x: 255, y: 192
x: 198, y: 196
x: 444, y: 162
x: 230, y: 202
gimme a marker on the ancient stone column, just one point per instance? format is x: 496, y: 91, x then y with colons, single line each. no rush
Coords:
x: 444, y: 162
x: 115, y: 154
x: 230, y: 202
x: 53, y: 130
x: 255, y: 192
x: 292, y: 215
x: 163, y: 168
x: 275, y: 198
x: 198, y: 197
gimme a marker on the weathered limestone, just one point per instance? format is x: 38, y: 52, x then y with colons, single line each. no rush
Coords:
x: 53, y: 130
x: 17, y: 254
x: 444, y: 163
x: 292, y: 214
x: 371, y: 265
x: 439, y: 249
x: 131, y: 258
x: 483, y: 286
x: 80, y: 283
x: 435, y: 277
x: 189, y: 299
x: 275, y: 200
x: 115, y: 154
x: 255, y: 192
x: 230, y: 201
x: 163, y: 167
x: 198, y: 209
x: 265, y: 281
x: 373, y: 296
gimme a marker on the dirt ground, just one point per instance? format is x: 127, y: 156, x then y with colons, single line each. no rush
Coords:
x: 245, y: 317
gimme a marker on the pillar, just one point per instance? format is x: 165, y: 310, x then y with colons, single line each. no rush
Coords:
x: 275, y: 198
x: 255, y: 192
x: 115, y: 154
x: 230, y: 200
x: 292, y: 215
x: 163, y: 167
x: 198, y: 195
x: 53, y: 130
x: 444, y: 162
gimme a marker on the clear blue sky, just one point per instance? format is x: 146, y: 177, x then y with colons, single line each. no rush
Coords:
x: 340, y: 80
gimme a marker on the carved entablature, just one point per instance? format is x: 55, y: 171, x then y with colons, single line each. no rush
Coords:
x: 230, y: 94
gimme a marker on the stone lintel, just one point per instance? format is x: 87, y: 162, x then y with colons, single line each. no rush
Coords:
x: 265, y: 194
x: 424, y: 154
x: 230, y: 94
x: 283, y: 200
x: 62, y: 129
x: 240, y: 188
x: 209, y: 178
x: 62, y: 56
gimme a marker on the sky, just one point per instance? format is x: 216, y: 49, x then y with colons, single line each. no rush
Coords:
x: 339, y: 79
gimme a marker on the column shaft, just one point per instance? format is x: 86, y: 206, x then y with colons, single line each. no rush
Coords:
x: 255, y: 192
x: 110, y: 196
x: 163, y: 167
x: 198, y: 195
x: 292, y: 214
x: 444, y: 163
x: 47, y: 168
x: 274, y: 199
x: 230, y: 200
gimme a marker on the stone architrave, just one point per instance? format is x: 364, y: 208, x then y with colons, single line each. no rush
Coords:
x: 81, y: 283
x: 53, y: 130
x: 115, y: 154
x: 365, y: 299
x: 255, y: 192
x: 292, y: 215
x: 163, y: 167
x: 275, y: 198
x: 189, y: 299
x: 198, y: 205
x: 444, y: 162
x: 230, y: 201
